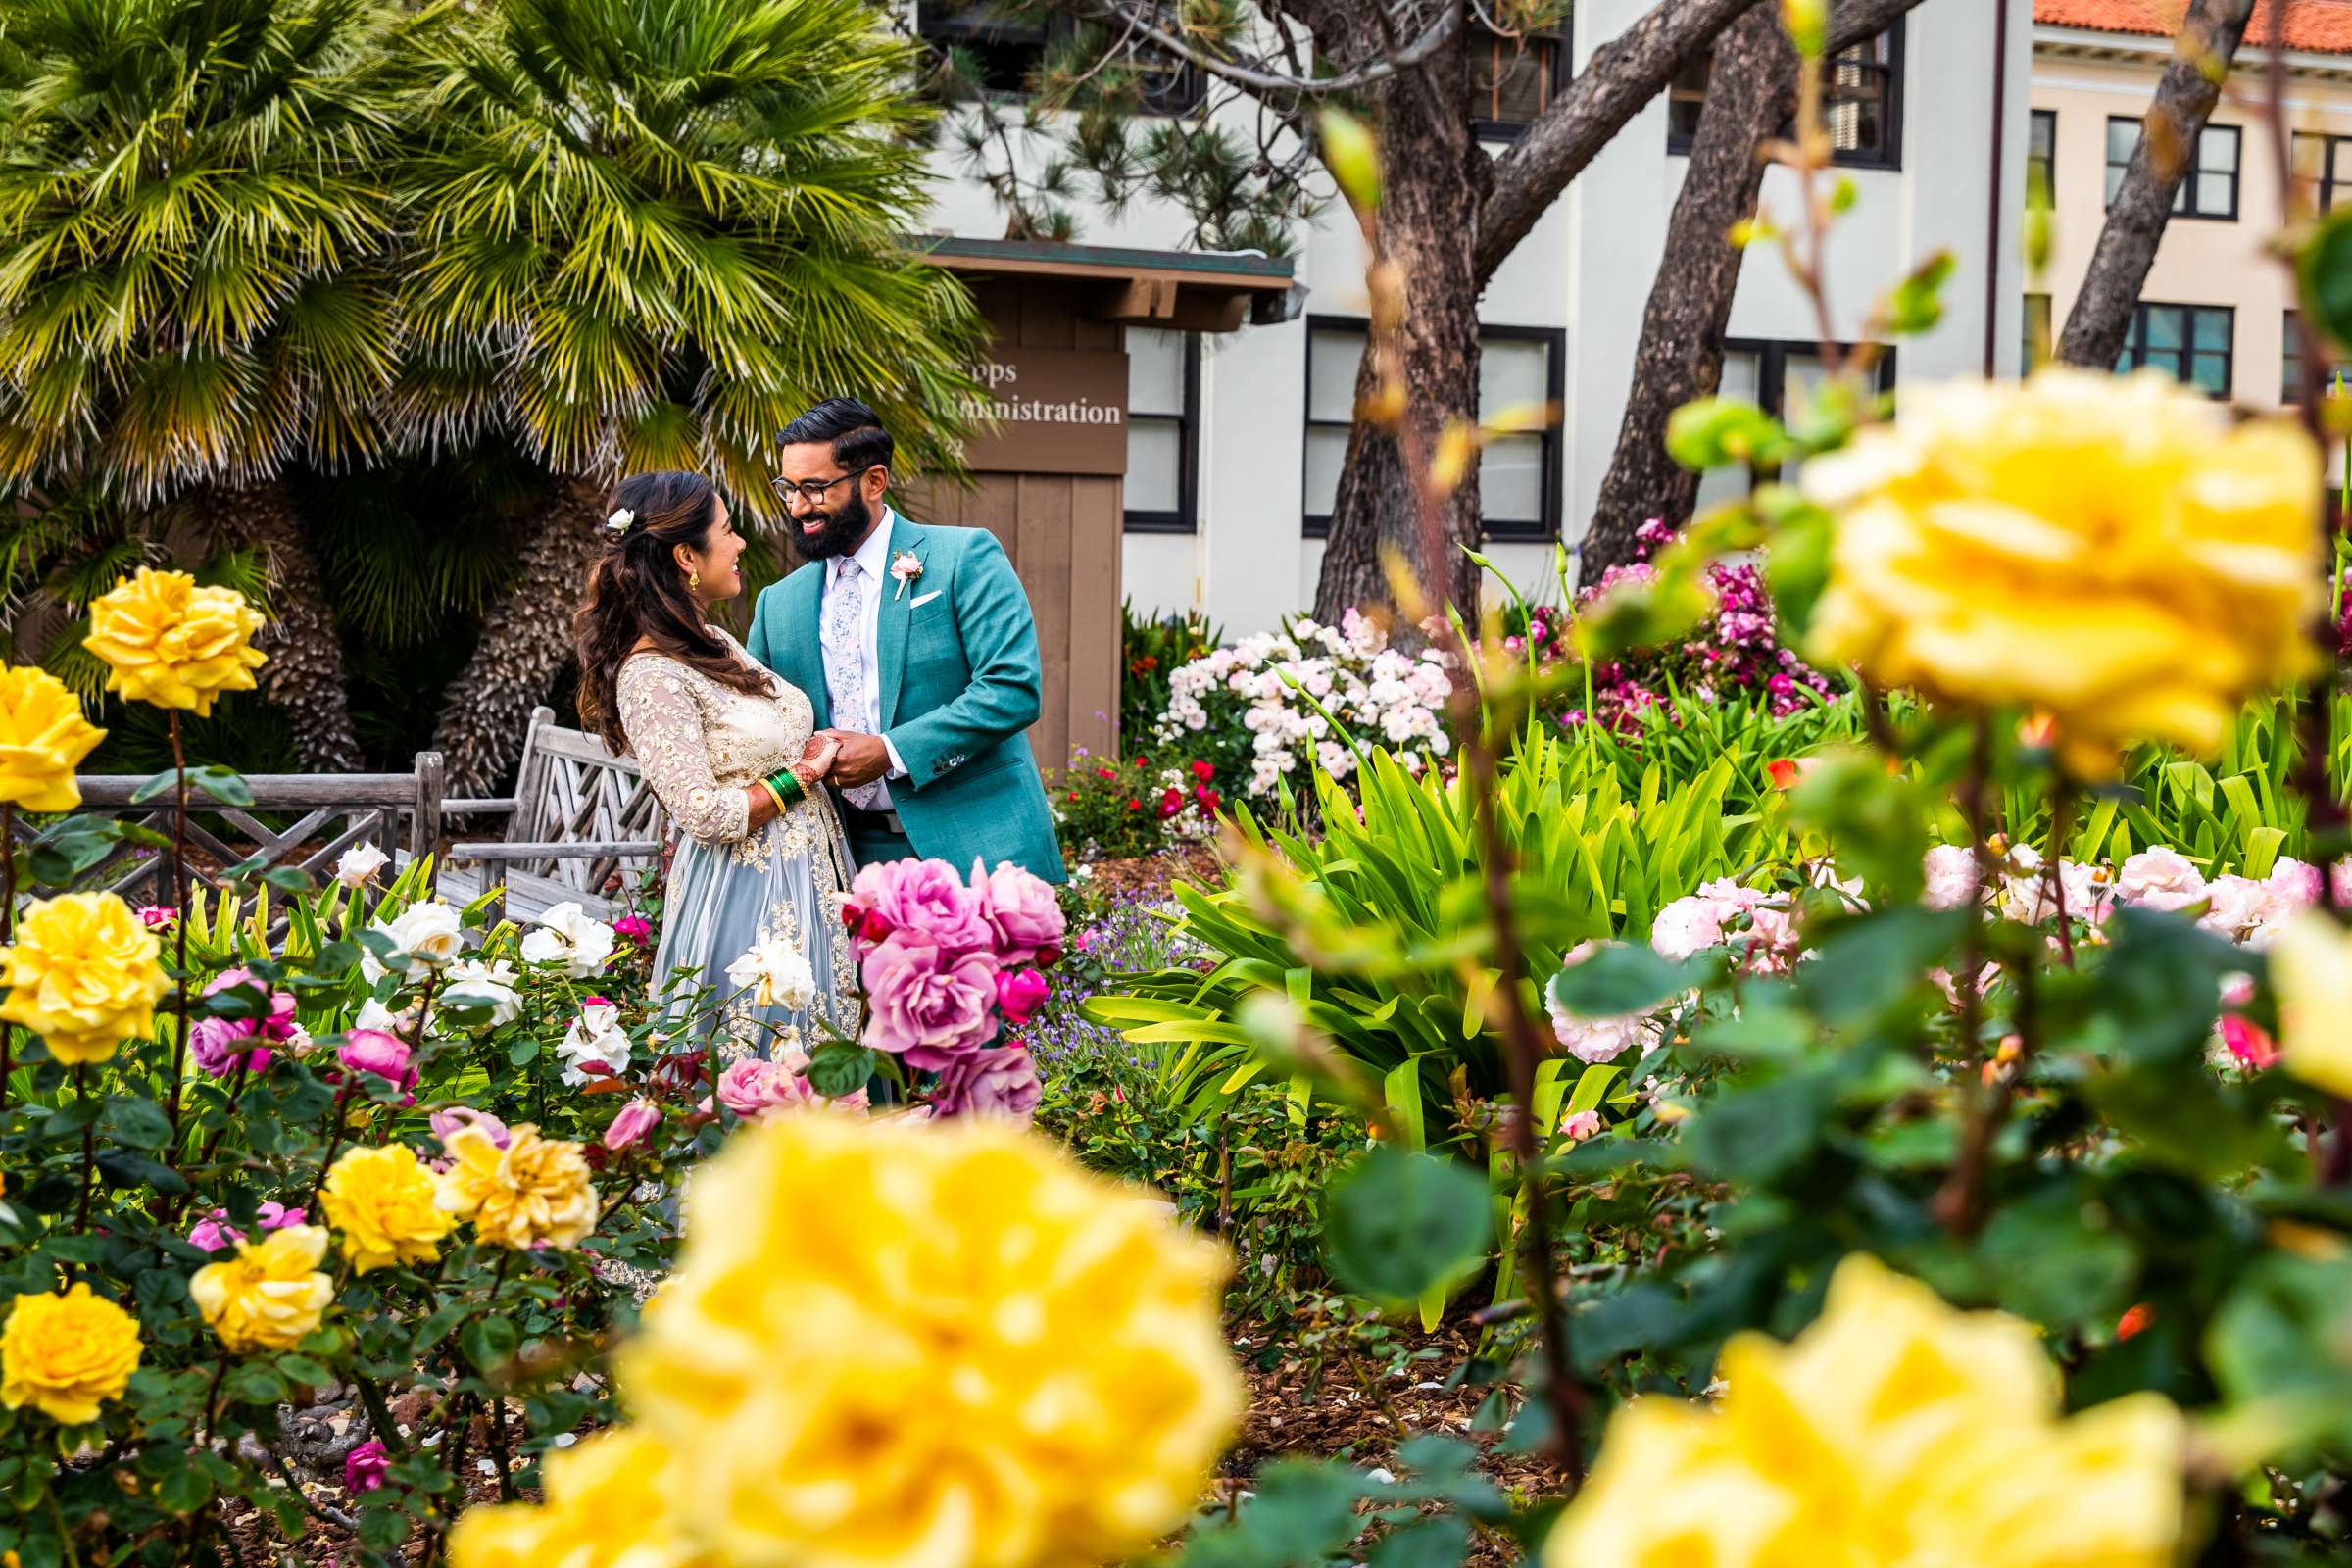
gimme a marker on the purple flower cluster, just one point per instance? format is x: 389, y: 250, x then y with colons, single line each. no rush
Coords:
x: 1735, y: 654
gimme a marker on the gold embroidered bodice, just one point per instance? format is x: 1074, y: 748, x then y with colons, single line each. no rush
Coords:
x: 700, y: 743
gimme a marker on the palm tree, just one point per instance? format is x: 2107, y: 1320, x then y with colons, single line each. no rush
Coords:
x: 194, y: 282
x: 649, y: 233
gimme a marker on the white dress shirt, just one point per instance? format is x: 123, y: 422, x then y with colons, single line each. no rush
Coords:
x: 873, y: 559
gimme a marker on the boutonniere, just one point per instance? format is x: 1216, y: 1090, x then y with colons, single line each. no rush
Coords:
x: 906, y: 566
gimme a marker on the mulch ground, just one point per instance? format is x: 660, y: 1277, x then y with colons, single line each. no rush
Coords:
x: 1146, y: 879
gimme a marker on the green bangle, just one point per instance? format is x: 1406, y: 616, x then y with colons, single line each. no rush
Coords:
x: 773, y: 796
x: 787, y: 785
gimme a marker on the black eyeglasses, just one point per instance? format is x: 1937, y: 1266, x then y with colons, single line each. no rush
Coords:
x: 814, y: 491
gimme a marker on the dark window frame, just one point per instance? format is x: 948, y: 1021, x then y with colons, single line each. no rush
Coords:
x: 1888, y: 155
x: 2290, y: 355
x: 1772, y: 371
x: 2047, y: 160
x: 1186, y: 518
x: 2184, y: 202
x: 2135, y: 343
x: 2327, y: 188
x: 1552, y: 42
x: 1554, y: 439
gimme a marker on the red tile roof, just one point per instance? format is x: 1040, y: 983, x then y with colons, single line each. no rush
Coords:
x: 2323, y: 27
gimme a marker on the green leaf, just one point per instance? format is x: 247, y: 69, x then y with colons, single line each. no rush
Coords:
x: 1756, y: 1134
x: 1719, y: 432
x: 489, y: 1341
x: 2326, y: 273
x: 1442, y: 1541
x: 1868, y: 964
x: 2052, y: 1261
x: 838, y: 1068
x: 1397, y: 1225
x: 183, y: 1491
x: 137, y: 1121
x: 1625, y: 977
x: 290, y: 878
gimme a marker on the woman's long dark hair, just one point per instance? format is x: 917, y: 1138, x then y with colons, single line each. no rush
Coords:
x: 636, y: 593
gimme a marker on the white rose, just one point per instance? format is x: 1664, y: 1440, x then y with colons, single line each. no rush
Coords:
x: 595, y: 1036
x: 428, y: 933
x: 567, y: 935
x: 373, y: 1015
x: 2160, y: 879
x: 779, y: 973
x: 1951, y: 871
x: 358, y: 863
x: 485, y: 985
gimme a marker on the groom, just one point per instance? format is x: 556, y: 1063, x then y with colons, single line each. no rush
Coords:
x: 917, y: 646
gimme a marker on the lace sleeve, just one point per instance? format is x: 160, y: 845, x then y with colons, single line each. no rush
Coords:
x: 665, y: 726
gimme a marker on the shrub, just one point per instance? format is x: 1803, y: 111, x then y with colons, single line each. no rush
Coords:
x: 1151, y: 648
x: 1117, y: 810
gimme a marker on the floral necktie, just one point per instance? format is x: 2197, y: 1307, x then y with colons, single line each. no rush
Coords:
x: 844, y: 636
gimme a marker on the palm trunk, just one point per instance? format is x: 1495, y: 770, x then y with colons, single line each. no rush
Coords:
x: 525, y: 639
x: 304, y: 677
x: 1433, y: 178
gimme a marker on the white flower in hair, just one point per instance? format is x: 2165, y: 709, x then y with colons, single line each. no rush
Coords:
x: 621, y: 519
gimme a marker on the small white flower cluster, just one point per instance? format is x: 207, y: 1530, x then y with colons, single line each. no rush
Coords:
x: 1381, y: 694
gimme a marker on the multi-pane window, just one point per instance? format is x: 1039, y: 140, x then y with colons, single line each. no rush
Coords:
x: 2037, y: 334
x: 2324, y: 166
x: 2208, y: 186
x: 1511, y: 77
x: 2041, y: 158
x: 2190, y: 343
x: 1861, y: 101
x: 1518, y: 475
x: 1778, y: 378
x: 1003, y: 44
x: 1163, y: 430
x: 2291, y: 359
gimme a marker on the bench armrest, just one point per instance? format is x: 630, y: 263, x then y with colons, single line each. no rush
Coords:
x: 575, y: 849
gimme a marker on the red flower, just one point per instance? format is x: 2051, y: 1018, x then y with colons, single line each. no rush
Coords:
x: 2248, y: 1041
x: 1105, y: 772
x: 2134, y: 1322
x: 1171, y: 801
x: 1207, y: 799
x: 1783, y: 771
x: 1203, y: 771
x: 1135, y: 806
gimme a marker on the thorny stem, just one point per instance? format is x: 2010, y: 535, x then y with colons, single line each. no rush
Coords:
x: 2061, y: 823
x: 371, y: 1400
x: 90, y: 1149
x: 1960, y: 1203
x: 8, y: 931
x: 180, y: 924
x: 212, y: 1399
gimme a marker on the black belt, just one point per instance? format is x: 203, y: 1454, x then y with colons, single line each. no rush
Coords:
x: 856, y: 817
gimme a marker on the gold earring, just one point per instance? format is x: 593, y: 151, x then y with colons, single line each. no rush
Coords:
x: 694, y: 581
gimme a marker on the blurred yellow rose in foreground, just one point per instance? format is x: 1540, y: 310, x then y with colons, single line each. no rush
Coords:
x: 43, y: 738
x: 166, y: 641
x: 605, y: 1508
x: 84, y: 974
x: 2110, y: 548
x: 66, y: 1354
x: 2311, y: 970
x: 384, y: 1202
x: 1893, y: 1430
x: 943, y: 1344
x: 534, y: 1190
x: 271, y: 1295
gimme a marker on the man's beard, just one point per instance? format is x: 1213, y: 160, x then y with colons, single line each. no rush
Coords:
x: 846, y: 527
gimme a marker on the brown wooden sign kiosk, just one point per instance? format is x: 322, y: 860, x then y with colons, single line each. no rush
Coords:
x: 1049, y: 473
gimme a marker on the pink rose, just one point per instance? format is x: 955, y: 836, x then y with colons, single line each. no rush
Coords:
x: 1022, y: 912
x: 1001, y: 1081
x: 155, y: 916
x: 445, y: 1124
x: 212, y: 1232
x: 2159, y: 878
x: 637, y: 1118
x: 374, y: 1050
x: 1581, y: 1126
x: 1020, y: 993
x: 219, y: 1046
x: 923, y: 895
x: 748, y: 1088
x: 278, y: 1218
x: 929, y: 1004
x: 636, y: 927
x: 365, y: 1467
x: 2248, y: 1042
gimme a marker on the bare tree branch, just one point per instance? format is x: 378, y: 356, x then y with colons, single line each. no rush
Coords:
x: 2095, y: 328
x: 1431, y: 40
x: 1623, y: 75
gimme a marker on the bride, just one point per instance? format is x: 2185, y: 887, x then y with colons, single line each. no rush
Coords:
x: 730, y: 750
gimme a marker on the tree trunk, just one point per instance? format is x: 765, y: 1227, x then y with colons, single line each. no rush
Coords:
x: 1434, y: 176
x: 525, y: 641
x: 2101, y: 320
x: 1751, y: 95
x: 304, y: 676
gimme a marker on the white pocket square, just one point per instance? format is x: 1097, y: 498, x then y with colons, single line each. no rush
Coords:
x: 920, y: 600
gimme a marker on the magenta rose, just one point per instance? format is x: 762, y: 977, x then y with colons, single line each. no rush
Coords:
x: 445, y: 1124
x: 1023, y: 914
x: 365, y: 1467
x: 1020, y: 993
x: 748, y: 1088
x: 922, y: 895
x: 1001, y: 1081
x: 637, y: 1118
x: 374, y: 1050
x: 214, y: 1232
x: 636, y: 927
x: 219, y: 1046
x: 928, y: 1004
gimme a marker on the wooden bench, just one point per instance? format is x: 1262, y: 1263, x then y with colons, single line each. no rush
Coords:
x: 578, y: 814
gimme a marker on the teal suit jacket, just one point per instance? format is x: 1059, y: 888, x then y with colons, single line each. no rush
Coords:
x: 960, y: 686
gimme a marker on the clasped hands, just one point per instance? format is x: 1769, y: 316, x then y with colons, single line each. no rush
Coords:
x: 848, y: 757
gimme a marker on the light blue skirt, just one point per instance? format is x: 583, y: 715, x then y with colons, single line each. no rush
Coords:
x: 786, y: 879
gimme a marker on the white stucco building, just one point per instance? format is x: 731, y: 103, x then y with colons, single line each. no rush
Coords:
x: 1934, y: 131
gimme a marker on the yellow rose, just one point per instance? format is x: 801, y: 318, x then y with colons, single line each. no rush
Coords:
x: 606, y: 1506
x: 384, y: 1201
x: 271, y: 1295
x: 534, y: 1189
x: 43, y: 738
x: 2311, y: 969
x: 84, y: 976
x: 1893, y: 1430
x: 167, y: 641
x: 66, y: 1354
x: 891, y: 1342
x: 2110, y: 548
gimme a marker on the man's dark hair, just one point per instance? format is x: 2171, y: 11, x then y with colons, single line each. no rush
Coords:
x: 855, y: 431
